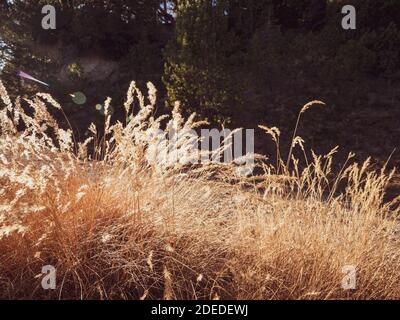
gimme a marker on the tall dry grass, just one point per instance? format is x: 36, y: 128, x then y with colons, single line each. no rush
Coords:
x: 118, y: 226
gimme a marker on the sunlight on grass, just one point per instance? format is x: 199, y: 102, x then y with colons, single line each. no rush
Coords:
x: 116, y: 225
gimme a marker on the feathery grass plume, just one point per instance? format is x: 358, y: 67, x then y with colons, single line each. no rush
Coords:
x: 303, y: 109
x: 310, y: 104
x: 150, y: 260
x: 152, y: 93
x: 129, y: 98
x: 107, y: 103
x: 5, y: 97
x: 118, y: 224
x: 275, y: 134
x: 47, y: 97
x: 168, y: 291
x: 6, y: 124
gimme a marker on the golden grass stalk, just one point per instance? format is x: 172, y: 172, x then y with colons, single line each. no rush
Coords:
x: 303, y: 109
x: 123, y: 227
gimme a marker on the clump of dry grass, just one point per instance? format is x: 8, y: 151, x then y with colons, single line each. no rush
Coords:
x: 117, y: 225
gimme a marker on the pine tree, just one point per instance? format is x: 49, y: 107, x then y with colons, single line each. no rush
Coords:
x: 200, y: 60
x: 128, y: 32
x: 97, y: 48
